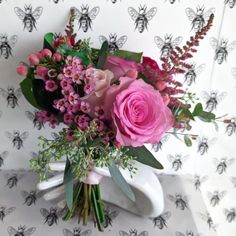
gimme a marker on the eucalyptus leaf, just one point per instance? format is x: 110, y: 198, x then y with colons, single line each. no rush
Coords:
x: 187, y: 141
x: 120, y: 181
x: 68, y: 184
x: 48, y: 41
x: 102, y: 56
x: 144, y: 156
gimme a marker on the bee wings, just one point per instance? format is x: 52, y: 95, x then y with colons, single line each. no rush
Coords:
x: 67, y: 232
x: 205, y: 95
x: 208, y: 13
x: 94, y: 12
x: 230, y: 161
x: 87, y: 232
x: 214, y: 43
x: 114, y: 214
x: 221, y: 96
x: 231, y: 46
x: 3, y: 93
x: 103, y: 39
x: 13, y: 40
x: 30, y: 115
x: 9, y: 210
x: 159, y: 41
x: 18, y: 93
x: 234, y: 72
x: 123, y: 233
x: 4, y: 154
x: 171, y: 197
x: 20, y: 13
x: 179, y: 234
x: 121, y: 41
x: 177, y: 41
x: 11, y: 231
x: 133, y: 13
x: 151, y: 13
x: 44, y: 212
x: 24, y: 193
x: 37, y: 12
x: 191, y: 14
x: 170, y: 158
x: 199, y: 69
x: 29, y: 231
x: 166, y: 215
x: 24, y: 135
x: 9, y: 135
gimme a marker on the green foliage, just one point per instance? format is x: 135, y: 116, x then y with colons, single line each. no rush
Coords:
x: 102, y: 55
x: 48, y: 40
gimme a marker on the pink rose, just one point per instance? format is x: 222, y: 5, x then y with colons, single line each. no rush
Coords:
x: 33, y: 59
x: 22, y: 70
x: 99, y: 79
x: 41, y: 71
x: 121, y: 67
x: 140, y: 115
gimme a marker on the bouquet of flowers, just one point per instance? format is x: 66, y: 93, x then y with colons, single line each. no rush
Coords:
x: 111, y: 103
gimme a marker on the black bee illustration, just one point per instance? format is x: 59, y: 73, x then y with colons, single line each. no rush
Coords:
x: 30, y: 198
x: 133, y: 232
x: 158, y: 146
x: 114, y: 43
x: 230, y: 214
x: 11, y: 95
x: 191, y: 75
x: 215, y: 197
x: 77, y: 232
x: 198, y: 181
x: 3, y: 156
x: 110, y: 216
x: 207, y: 218
x: 114, y: 1
x: 17, y: 138
x: 199, y: 18
x: 204, y: 143
x: 161, y: 220
x: 179, y: 200
x: 12, y: 179
x: 177, y: 161
x: 33, y: 117
x: 212, y: 99
x: 51, y: 216
x: 231, y: 3
x: 86, y: 17
x: 167, y: 45
x: 171, y: 1
x: 4, y: 211
x: 28, y: 16
x: 142, y: 17
x: 223, y: 164
x: 233, y: 180
x: 56, y: 1
x: 231, y: 127
x: 6, y: 45
x: 21, y: 231
x: 222, y: 49
x: 188, y: 233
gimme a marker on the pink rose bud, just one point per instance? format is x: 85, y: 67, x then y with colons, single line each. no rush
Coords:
x: 57, y: 57
x: 46, y: 52
x: 41, y: 71
x: 161, y: 85
x: 132, y: 74
x: 33, y: 59
x: 22, y: 70
x: 39, y: 55
x: 166, y: 99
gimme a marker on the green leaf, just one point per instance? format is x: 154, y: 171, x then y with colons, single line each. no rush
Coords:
x: 131, y: 56
x: 144, y: 156
x: 187, y: 141
x: 206, y: 116
x: 102, y: 56
x: 198, y: 109
x: 120, y: 181
x: 27, y: 90
x: 186, y: 112
x: 48, y: 40
x: 68, y: 183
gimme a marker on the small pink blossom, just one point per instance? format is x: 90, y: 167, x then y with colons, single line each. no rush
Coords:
x: 22, y: 70
x: 85, y: 107
x: 68, y: 119
x: 73, y: 98
x: 66, y: 84
x: 70, y: 135
x: 61, y: 104
x: 82, y: 121
x: 100, y: 124
x: 50, y: 85
x: 41, y: 71
x: 46, y: 53
x: 33, y: 59
x: 68, y: 71
x: 53, y: 122
x: 99, y: 112
x: 89, y: 88
x: 72, y: 109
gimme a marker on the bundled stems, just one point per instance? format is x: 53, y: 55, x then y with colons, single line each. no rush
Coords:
x: 87, y: 202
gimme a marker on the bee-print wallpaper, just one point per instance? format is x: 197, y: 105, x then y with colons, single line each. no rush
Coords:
x: 199, y: 182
